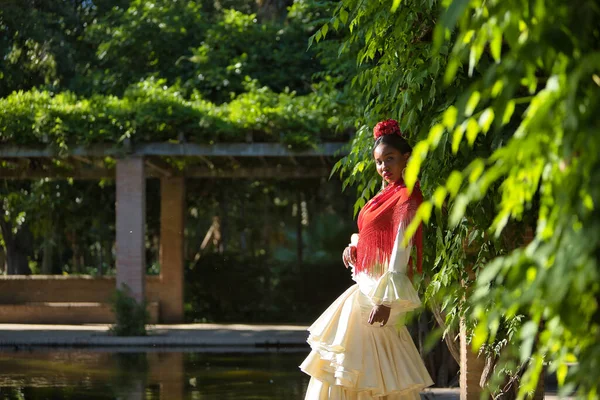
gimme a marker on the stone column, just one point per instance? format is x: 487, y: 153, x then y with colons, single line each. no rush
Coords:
x: 168, y: 371
x: 471, y: 368
x: 131, y: 225
x: 172, y: 225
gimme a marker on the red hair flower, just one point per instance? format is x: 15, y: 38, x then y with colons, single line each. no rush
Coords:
x: 387, y: 127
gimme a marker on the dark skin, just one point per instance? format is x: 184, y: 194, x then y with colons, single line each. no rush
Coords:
x: 390, y: 163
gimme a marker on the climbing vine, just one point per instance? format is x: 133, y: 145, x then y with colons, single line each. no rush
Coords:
x: 500, y: 100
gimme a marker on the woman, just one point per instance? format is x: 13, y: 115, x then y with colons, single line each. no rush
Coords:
x: 359, y: 351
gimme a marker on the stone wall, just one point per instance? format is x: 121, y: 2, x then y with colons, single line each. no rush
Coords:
x: 66, y: 299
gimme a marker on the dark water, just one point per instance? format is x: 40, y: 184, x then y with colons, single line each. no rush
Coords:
x: 83, y: 374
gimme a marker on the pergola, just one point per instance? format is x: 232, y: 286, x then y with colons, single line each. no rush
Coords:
x: 130, y: 165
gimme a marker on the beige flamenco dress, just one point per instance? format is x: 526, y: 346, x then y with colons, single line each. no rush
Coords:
x: 353, y: 360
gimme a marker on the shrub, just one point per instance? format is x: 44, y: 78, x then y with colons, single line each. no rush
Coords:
x: 131, y: 316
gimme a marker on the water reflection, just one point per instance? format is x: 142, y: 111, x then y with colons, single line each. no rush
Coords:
x: 76, y: 374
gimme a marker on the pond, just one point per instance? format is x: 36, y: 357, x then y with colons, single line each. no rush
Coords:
x: 98, y: 374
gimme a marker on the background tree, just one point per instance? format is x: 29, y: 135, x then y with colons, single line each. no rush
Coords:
x: 85, y: 72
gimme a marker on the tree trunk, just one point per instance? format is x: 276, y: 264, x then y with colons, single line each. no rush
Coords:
x: 299, y: 244
x: 269, y: 10
x: 243, y: 238
x: 108, y: 258
x: 443, y: 376
x: 267, y: 231
x: 48, y: 255
x: 100, y: 257
x: 76, y: 258
x: 450, y: 338
x: 428, y: 358
x: 17, y: 248
x: 2, y: 260
x: 224, y: 225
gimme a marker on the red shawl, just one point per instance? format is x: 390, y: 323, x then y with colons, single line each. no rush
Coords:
x: 378, y: 224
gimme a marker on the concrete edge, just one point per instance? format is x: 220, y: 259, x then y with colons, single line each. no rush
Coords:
x: 141, y: 342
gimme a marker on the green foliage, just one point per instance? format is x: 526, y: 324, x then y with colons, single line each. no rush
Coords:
x: 152, y: 111
x: 232, y: 288
x: 56, y: 214
x: 160, y: 70
x: 238, y: 46
x: 322, y: 239
x: 104, y: 47
x: 37, y: 44
x: 500, y: 99
x: 144, y: 39
x: 131, y: 316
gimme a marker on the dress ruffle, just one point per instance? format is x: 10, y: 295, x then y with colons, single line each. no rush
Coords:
x: 352, y: 360
x: 394, y: 289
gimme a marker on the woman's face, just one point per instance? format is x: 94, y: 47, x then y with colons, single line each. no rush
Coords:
x: 389, y: 162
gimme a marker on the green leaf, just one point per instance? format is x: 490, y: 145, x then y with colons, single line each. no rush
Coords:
x: 414, y: 164
x: 395, y: 5
x: 486, y: 119
x: 477, y: 167
x: 451, y: 70
x: 439, y: 196
x: 496, y: 44
x: 344, y: 15
x: 424, y: 211
x: 450, y: 115
x: 479, y: 336
x: 508, y: 112
x: 458, y: 210
x: 472, y: 103
x: 455, y: 10
x: 561, y: 373
x: 588, y: 202
x: 497, y: 88
x: 472, y: 131
x: 435, y: 134
x: 489, y: 273
x: 457, y: 137
x: 468, y: 36
x: 453, y: 183
x: 528, y: 332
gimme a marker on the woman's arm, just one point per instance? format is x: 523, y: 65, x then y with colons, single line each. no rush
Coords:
x: 349, y: 254
x: 394, y: 288
x: 379, y: 313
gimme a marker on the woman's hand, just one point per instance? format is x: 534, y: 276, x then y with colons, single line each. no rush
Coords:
x: 380, y: 314
x: 349, y: 256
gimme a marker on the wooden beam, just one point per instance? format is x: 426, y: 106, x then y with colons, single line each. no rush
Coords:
x: 259, y: 172
x: 174, y: 150
x: 159, y: 167
x: 83, y: 160
x: 233, y: 160
x: 207, y: 162
x: 234, y: 150
x: 323, y: 162
x: 100, y: 150
x: 83, y: 174
x: 16, y: 162
x: 191, y: 172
